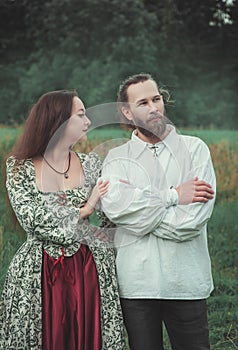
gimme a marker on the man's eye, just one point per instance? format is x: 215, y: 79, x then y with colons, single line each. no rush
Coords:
x: 157, y: 98
x: 142, y: 103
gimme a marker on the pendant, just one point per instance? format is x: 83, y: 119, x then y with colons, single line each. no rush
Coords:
x: 66, y: 175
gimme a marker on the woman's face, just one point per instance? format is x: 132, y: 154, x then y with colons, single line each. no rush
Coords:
x: 78, y: 123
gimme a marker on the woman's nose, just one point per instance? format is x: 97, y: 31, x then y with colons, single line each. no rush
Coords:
x: 87, y: 121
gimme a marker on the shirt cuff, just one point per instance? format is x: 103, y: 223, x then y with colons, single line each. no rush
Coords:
x: 172, y: 197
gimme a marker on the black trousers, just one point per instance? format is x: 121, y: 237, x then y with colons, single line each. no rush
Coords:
x: 185, y: 322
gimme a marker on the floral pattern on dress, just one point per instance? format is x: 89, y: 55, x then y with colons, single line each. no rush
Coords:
x: 51, y: 221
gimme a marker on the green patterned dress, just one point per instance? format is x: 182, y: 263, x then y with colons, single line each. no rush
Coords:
x: 51, y: 221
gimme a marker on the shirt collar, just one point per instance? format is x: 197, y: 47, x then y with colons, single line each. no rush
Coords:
x: 171, y: 141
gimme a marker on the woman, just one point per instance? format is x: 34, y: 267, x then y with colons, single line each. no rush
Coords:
x: 60, y: 291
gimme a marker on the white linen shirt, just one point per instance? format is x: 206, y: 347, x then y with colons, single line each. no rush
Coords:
x: 161, y: 246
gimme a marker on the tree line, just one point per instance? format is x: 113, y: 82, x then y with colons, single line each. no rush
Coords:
x: 189, y: 46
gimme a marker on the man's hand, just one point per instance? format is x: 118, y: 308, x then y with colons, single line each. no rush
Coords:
x: 194, y: 190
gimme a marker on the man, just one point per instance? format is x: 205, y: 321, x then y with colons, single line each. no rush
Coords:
x: 161, y: 196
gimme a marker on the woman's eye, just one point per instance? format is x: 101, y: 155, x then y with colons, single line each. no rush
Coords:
x: 81, y: 115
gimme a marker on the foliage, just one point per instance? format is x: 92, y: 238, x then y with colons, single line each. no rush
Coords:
x: 225, y: 159
x: 61, y: 44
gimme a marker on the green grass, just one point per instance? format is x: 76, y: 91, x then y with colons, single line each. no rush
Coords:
x: 213, y: 136
x: 9, y: 132
x: 108, y: 133
x: 223, y: 311
x: 209, y: 136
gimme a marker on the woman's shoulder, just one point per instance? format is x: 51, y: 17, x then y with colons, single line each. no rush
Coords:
x: 11, y: 160
x: 90, y: 158
x: 19, y: 168
x: 14, y: 163
x: 91, y: 164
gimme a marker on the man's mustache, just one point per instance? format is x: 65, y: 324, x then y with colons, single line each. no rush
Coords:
x: 155, y: 115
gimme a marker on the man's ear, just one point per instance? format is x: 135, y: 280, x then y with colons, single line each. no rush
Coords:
x: 127, y: 113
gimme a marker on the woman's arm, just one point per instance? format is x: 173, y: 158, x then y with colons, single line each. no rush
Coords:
x: 99, y: 190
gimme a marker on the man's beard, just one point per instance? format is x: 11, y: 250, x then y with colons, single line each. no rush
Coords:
x: 153, y: 130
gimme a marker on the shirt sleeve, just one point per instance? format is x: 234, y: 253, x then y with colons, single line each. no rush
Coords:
x: 138, y: 210
x: 184, y: 222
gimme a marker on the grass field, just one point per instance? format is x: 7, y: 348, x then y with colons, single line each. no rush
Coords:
x: 209, y: 136
x: 222, y: 228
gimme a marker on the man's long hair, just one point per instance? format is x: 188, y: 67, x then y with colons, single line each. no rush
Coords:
x: 122, y: 96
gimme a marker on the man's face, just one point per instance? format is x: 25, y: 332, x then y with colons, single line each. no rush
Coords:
x: 146, y: 108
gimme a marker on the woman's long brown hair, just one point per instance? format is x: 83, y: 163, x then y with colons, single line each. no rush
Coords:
x: 45, y: 118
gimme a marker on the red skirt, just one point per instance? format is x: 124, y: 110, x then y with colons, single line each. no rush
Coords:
x: 70, y: 302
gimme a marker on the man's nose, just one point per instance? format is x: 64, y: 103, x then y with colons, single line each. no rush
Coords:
x: 153, y: 107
